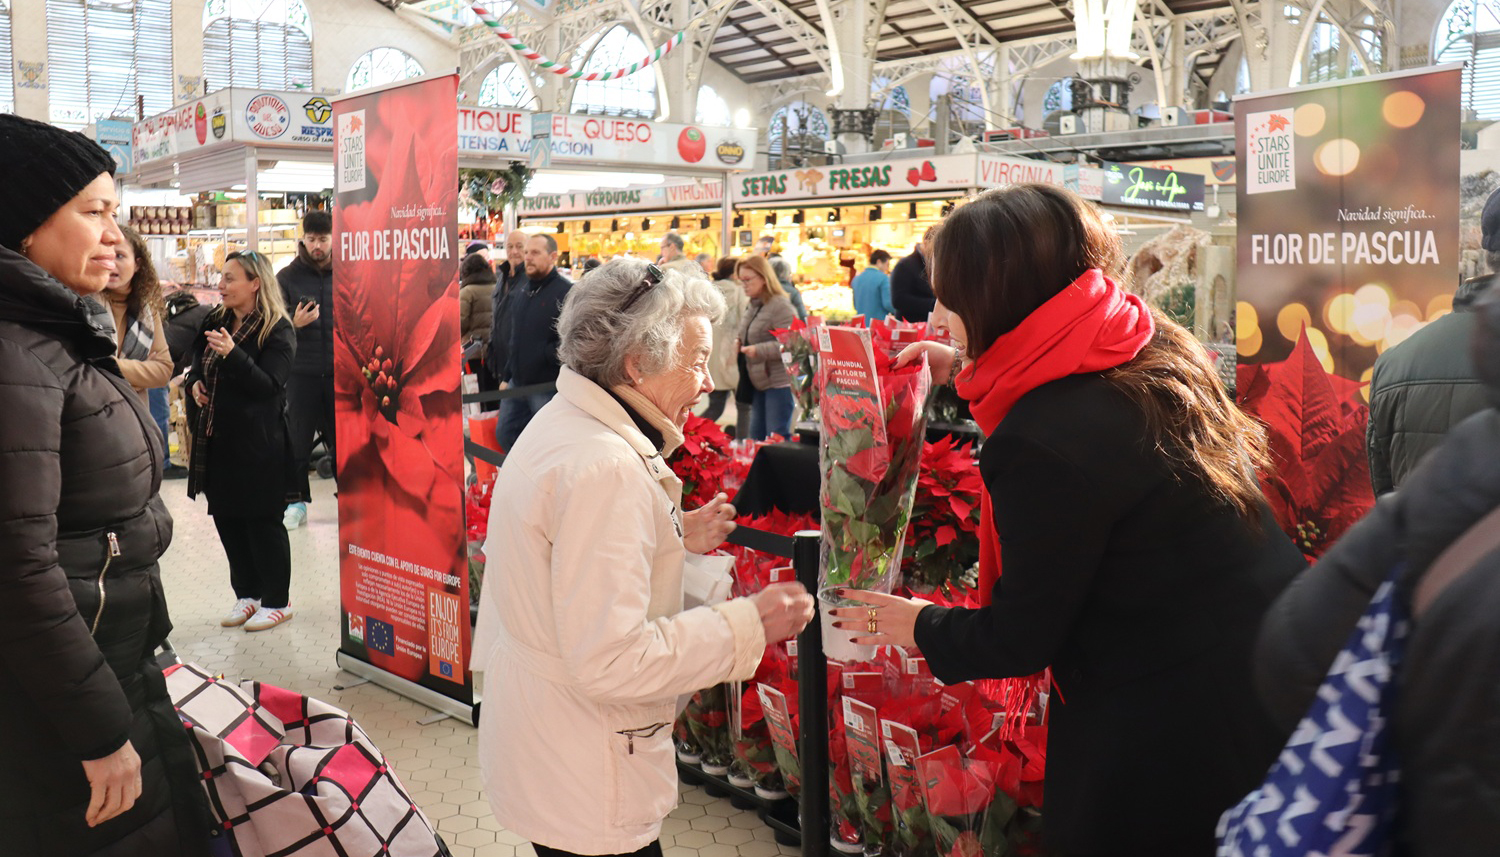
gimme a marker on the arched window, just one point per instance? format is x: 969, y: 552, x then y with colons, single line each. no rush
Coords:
x: 1242, y: 77
x: 712, y: 108
x: 101, y: 55
x: 256, y: 44
x: 883, y: 96
x: 7, y: 72
x: 1059, y: 96
x: 382, y: 66
x: 956, y: 80
x: 631, y: 95
x: 505, y: 86
x: 800, y: 121
x: 1331, y: 56
x: 1470, y: 30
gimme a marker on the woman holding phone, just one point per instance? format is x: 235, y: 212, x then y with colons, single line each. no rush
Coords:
x: 242, y: 455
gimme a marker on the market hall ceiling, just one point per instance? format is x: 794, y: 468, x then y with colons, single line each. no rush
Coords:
x: 757, y: 43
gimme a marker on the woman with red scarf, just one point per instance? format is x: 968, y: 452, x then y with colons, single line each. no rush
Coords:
x: 1121, y: 502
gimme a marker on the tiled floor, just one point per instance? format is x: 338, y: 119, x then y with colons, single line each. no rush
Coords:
x: 437, y: 761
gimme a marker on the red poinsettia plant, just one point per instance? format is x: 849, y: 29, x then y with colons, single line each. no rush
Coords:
x: 870, y: 451
x: 799, y: 353
x: 943, y: 540
x: 1315, y: 423
x: 704, y: 462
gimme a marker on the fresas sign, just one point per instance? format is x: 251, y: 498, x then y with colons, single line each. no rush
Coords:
x: 895, y: 176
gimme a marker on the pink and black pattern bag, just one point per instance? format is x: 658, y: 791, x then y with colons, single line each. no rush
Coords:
x: 291, y: 776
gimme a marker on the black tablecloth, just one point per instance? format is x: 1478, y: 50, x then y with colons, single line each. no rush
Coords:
x: 783, y: 476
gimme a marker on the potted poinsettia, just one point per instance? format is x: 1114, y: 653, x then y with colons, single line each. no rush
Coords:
x: 870, y: 449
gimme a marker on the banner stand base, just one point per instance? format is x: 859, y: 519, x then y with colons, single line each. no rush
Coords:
x: 411, y: 690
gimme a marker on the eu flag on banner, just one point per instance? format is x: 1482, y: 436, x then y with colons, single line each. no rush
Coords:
x: 380, y: 636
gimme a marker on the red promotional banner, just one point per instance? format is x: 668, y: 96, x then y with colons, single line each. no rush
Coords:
x: 403, y: 570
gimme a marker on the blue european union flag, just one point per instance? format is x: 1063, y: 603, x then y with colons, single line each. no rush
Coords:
x: 380, y: 636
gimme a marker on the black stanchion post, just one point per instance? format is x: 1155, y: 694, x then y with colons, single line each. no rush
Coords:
x: 812, y: 677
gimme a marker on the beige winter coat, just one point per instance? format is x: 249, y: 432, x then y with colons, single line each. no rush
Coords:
x: 723, y: 367
x: 143, y: 375
x: 582, y: 637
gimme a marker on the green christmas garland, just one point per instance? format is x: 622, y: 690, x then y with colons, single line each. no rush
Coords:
x: 493, y: 189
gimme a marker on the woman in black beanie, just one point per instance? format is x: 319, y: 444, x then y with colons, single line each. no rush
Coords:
x: 93, y: 760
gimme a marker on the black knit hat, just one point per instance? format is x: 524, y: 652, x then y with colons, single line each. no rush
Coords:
x: 41, y: 169
x: 1489, y: 223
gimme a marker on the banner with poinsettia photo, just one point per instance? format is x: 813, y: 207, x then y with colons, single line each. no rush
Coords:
x: 404, y: 582
x: 1348, y: 244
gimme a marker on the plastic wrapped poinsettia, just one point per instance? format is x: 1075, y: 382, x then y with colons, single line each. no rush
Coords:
x: 870, y: 452
x: 800, y: 355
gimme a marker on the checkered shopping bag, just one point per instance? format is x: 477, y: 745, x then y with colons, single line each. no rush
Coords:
x: 290, y: 776
x: 1333, y: 789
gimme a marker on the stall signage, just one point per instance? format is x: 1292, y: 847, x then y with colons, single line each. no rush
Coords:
x: 493, y: 131
x: 615, y: 140
x: 1215, y: 171
x: 1087, y: 182
x: 895, y: 176
x: 1136, y: 186
x: 605, y: 202
x: 281, y: 118
x: 180, y: 130
x: 113, y: 135
x: 995, y: 171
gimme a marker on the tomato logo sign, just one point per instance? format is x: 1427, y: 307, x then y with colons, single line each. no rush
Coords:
x: 691, y: 145
x: 268, y: 116
x: 200, y: 123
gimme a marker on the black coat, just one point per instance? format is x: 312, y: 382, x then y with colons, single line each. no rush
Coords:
x: 507, y: 281
x: 1422, y: 388
x: 911, y: 292
x: 250, y: 465
x: 1144, y: 595
x: 80, y: 459
x: 1447, y: 695
x: 302, y: 280
x: 533, y: 310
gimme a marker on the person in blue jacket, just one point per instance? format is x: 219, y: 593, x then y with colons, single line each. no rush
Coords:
x: 872, y: 288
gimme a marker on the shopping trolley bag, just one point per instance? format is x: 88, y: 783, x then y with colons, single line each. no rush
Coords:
x: 291, y: 776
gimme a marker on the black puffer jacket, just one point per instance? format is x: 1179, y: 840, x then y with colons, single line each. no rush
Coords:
x: 1422, y: 388
x: 81, y: 601
x: 303, y: 280
x: 1448, y: 700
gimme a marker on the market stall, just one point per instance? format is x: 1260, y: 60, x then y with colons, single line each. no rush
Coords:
x: 253, y: 161
x: 825, y: 221
x: 631, y: 220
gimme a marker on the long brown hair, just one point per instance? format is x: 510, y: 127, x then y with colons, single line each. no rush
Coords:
x: 997, y: 259
x: 759, y: 265
x: 145, y: 288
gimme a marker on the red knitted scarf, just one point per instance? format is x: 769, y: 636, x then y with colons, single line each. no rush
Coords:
x: 1090, y: 326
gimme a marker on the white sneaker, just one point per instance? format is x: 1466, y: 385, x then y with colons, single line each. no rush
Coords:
x: 243, y: 609
x: 268, y: 617
x: 294, y: 516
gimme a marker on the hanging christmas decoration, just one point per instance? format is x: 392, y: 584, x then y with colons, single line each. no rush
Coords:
x: 557, y: 68
x: 492, y: 190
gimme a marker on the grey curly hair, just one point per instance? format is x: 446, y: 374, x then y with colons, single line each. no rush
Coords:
x: 597, y: 335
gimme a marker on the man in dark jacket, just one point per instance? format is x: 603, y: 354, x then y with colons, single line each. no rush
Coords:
x: 911, y: 293
x: 534, y: 309
x: 1446, y: 702
x: 307, y: 286
x: 1427, y: 384
x: 508, y: 275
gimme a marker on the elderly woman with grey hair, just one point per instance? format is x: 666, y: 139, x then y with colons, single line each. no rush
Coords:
x: 582, y: 634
